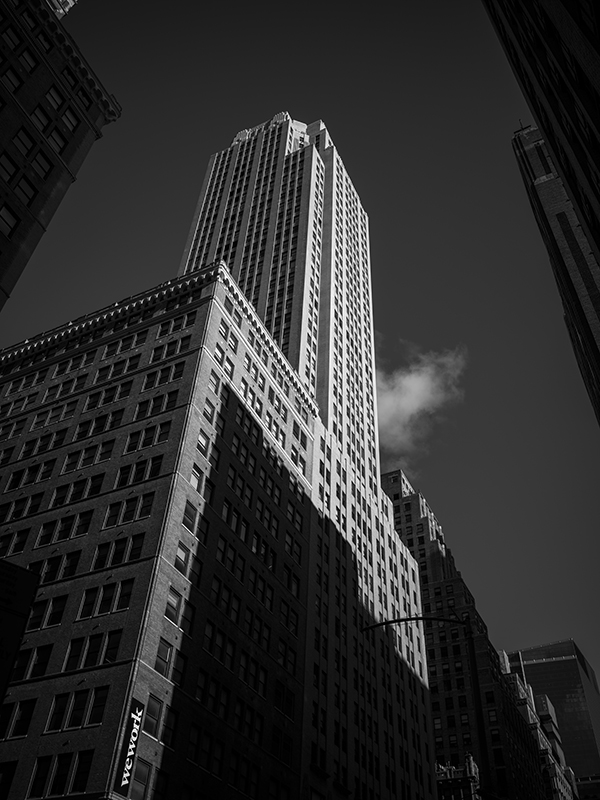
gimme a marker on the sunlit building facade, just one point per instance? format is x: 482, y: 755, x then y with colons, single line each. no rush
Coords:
x: 193, y: 472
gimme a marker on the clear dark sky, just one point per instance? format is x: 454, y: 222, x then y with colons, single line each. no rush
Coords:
x: 421, y: 104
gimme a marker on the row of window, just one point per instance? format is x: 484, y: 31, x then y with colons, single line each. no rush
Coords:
x: 108, y: 554
x: 61, y: 774
x: 98, y: 424
x: 69, y: 710
x: 90, y: 651
x: 117, y: 324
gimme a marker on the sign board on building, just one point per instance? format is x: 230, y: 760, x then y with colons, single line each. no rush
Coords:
x: 126, y: 762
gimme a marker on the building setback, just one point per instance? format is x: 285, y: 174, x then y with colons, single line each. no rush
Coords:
x: 553, y: 47
x: 474, y: 709
x: 208, y: 525
x: 561, y: 671
x: 52, y: 110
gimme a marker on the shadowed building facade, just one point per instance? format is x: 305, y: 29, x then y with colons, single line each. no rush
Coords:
x: 561, y: 671
x: 474, y: 709
x: 194, y: 475
x: 52, y: 110
x: 553, y: 47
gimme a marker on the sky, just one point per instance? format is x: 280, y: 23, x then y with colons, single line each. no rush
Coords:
x: 480, y: 392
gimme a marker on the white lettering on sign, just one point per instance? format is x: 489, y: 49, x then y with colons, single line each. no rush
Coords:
x: 136, y: 716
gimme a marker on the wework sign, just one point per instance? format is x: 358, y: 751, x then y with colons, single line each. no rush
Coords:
x: 133, y: 727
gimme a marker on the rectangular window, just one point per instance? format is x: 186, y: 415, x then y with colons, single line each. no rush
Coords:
x: 8, y: 221
x: 163, y: 657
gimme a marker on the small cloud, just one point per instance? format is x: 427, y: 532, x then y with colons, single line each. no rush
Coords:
x: 410, y: 400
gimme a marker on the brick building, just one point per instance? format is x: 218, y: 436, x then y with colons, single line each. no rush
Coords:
x: 473, y: 707
x: 52, y: 110
x: 195, y: 478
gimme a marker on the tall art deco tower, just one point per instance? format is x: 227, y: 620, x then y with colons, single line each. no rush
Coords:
x: 194, y: 474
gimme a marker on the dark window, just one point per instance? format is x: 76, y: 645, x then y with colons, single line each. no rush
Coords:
x: 8, y: 168
x: 8, y: 221
x: 82, y: 772
x: 41, y: 165
x: 57, y: 141
x: 24, y: 714
x: 23, y: 142
x: 25, y: 191
x: 11, y: 80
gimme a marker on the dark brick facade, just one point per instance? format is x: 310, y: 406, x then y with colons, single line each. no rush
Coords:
x: 52, y: 110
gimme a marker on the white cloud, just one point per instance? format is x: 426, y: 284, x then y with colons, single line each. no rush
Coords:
x: 410, y: 400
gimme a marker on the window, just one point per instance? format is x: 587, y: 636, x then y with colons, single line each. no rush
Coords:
x: 196, y: 478
x: 78, y: 709
x: 100, y: 648
x: 158, y: 404
x: 52, y: 415
x: 148, y: 437
x: 70, y: 120
x: 251, y: 673
x: 167, y: 735
x: 170, y: 662
x: 25, y: 191
x: 32, y: 474
x: 8, y: 221
x: 98, y: 424
x: 32, y: 663
x: 174, y: 602
x: 45, y: 613
x: 41, y: 165
x: 11, y: 80
x: 69, y: 773
x: 203, y: 443
x: 22, y: 718
x: 23, y: 142
x: 140, y: 780
x: 11, y: 38
x: 128, y: 510
x: 119, y: 551
x: 40, y: 119
x: 165, y: 375
x: 109, y: 395
x: 139, y: 471
x: 8, y: 168
x: 164, y: 655
x: 22, y: 507
x: 73, y: 492
x: 182, y: 558
x: 106, y: 599
x: 112, y: 371
x: 54, y: 98
x: 57, y: 530
x: 152, y: 716
x: 57, y: 141
x: 95, y: 453
x: 56, y: 567
x: 219, y: 645
x: 172, y: 348
x: 177, y: 324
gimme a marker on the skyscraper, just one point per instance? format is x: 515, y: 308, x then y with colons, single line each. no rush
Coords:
x: 553, y: 47
x: 52, y: 110
x: 561, y: 671
x: 208, y: 523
